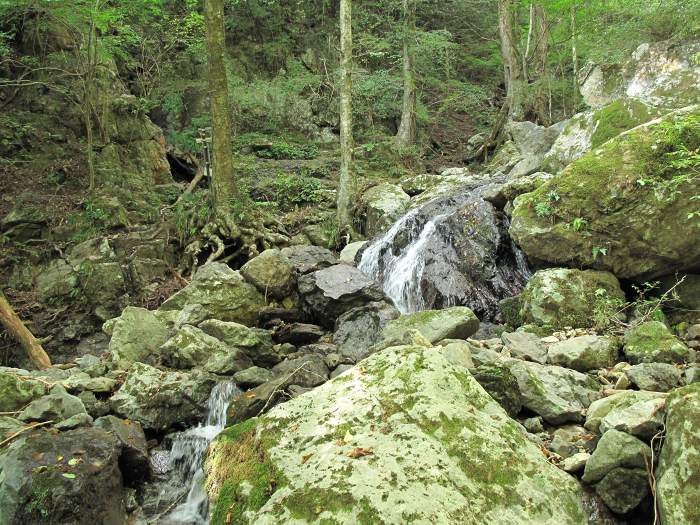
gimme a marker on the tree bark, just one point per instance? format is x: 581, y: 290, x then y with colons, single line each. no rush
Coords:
x: 14, y: 325
x: 574, y: 55
x: 346, y: 138
x: 539, y: 64
x: 407, y: 132
x: 223, y: 185
x: 512, y: 66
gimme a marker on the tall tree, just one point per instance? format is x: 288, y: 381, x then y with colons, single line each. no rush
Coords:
x: 346, y: 139
x: 406, y: 134
x: 223, y: 185
x: 512, y: 65
x: 16, y: 328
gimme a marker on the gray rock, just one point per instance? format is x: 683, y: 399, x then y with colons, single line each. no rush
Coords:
x: 16, y: 392
x: 134, y: 460
x: 557, y: 394
x: 383, y: 204
x: 298, y: 334
x: 643, y: 419
x: 501, y: 385
x: 620, y: 401
x: 584, y: 353
x: 327, y: 294
x: 56, y: 281
x: 524, y: 345
x: 692, y: 375
x: 458, y: 322
x: 56, y: 406
x: 623, y: 489
x: 73, y: 422
x: 81, y: 382
x: 653, y: 342
x: 136, y: 335
x: 361, y: 327
x: 576, y: 463
x: 347, y: 255
x: 252, y: 377
x: 340, y: 369
x: 533, y: 425
x: 271, y: 273
x: 457, y: 352
x: 307, y: 371
x: 615, y: 449
x: 657, y: 377
x: 307, y: 259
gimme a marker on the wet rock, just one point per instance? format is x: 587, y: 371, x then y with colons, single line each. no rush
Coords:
x: 501, y: 385
x: 561, y: 297
x: 136, y: 335
x: 223, y: 292
x: 623, y: 489
x: 412, y: 417
x: 327, y: 294
x: 557, y: 394
x: 162, y: 400
x: 56, y: 406
x: 615, y: 449
x: 524, y: 345
x: 584, y: 353
x: 307, y: 259
x: 678, y: 492
x: 134, y: 462
x: 657, y: 377
x: 653, y: 342
x: 16, y: 392
x: 458, y: 322
x: 361, y: 327
x: 306, y: 371
x: 271, y: 273
x: 643, y: 419
x: 383, y: 204
x: 70, y: 477
x: 252, y: 377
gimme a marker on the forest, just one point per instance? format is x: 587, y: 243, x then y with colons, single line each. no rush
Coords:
x: 349, y: 262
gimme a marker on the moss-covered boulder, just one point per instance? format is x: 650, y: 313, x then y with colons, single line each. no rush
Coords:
x: 17, y: 391
x: 561, y: 297
x: 615, y: 449
x: 271, y: 273
x: 678, y: 474
x: 383, y: 204
x: 617, y: 403
x: 584, y: 353
x: 458, y: 322
x: 624, y: 207
x: 653, y: 342
x: 407, y: 438
x: 136, y: 335
x: 223, y: 293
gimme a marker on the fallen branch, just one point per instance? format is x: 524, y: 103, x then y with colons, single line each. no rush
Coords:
x: 21, y: 334
x: 25, y: 429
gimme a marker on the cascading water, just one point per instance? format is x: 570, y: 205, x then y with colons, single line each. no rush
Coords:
x: 187, y: 455
x: 454, y: 250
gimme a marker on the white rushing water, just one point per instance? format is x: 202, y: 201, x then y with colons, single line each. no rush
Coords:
x: 187, y: 455
x: 401, y: 275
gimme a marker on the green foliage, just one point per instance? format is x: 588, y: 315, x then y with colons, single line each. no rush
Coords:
x: 288, y: 151
x: 289, y: 190
x: 598, y: 251
x: 192, y: 212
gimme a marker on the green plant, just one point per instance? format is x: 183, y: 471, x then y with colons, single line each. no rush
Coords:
x: 191, y: 213
x: 578, y: 224
x: 289, y: 190
x: 597, y: 250
x: 606, y: 309
x: 543, y: 209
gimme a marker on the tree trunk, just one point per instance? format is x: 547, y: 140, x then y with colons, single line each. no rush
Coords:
x: 539, y: 65
x: 406, y: 134
x: 574, y: 55
x: 512, y: 66
x: 223, y: 186
x: 14, y: 325
x: 346, y: 139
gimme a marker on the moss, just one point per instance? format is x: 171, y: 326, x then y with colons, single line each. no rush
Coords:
x: 617, y: 117
x: 510, y: 311
x: 241, y: 476
x: 653, y: 342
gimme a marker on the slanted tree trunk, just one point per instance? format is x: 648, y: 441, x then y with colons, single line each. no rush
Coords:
x: 14, y: 325
x: 346, y: 139
x: 406, y: 134
x: 223, y: 186
x: 512, y: 65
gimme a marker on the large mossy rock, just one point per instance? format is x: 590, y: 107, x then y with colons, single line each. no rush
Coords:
x: 615, y: 449
x: 160, y: 400
x: 384, y: 204
x: 458, y: 322
x: 17, y: 391
x: 653, y: 342
x: 616, y: 403
x: 615, y: 209
x: 678, y: 474
x: 223, y: 294
x: 271, y: 273
x: 136, y: 335
x: 586, y: 352
x: 409, y: 438
x: 69, y: 477
x: 561, y: 297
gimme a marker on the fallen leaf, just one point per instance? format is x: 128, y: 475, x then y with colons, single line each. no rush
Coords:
x: 69, y: 476
x: 59, y: 458
x: 340, y: 442
x: 251, y: 395
x: 306, y: 458
x: 74, y: 461
x: 359, y: 452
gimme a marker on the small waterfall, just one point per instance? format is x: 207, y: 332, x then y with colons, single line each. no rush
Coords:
x: 187, y: 455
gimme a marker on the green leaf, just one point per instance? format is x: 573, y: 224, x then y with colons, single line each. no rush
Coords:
x: 69, y: 476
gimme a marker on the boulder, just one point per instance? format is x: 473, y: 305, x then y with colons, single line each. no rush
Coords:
x: 222, y: 292
x: 584, y: 353
x: 383, y: 204
x: 524, y: 345
x: 271, y: 273
x: 56, y: 282
x: 615, y: 449
x: 501, y: 385
x: 458, y: 322
x: 69, y: 477
x: 677, y: 489
x: 306, y: 371
x: 617, y: 402
x: 412, y: 438
x: 252, y: 377
x: 686, y: 294
x: 533, y: 142
x: 653, y: 342
x: 161, y: 400
x: 623, y: 489
x: 555, y: 393
x: 81, y: 382
x: 18, y: 391
x: 134, y: 462
x: 348, y: 254
x: 56, y: 406
x: 643, y: 419
x: 307, y: 259
x: 658, y: 377
x: 256, y: 343
x: 361, y: 327
x: 581, y: 217
x: 136, y: 335
x: 298, y: 334
x: 327, y: 294
x: 561, y: 297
